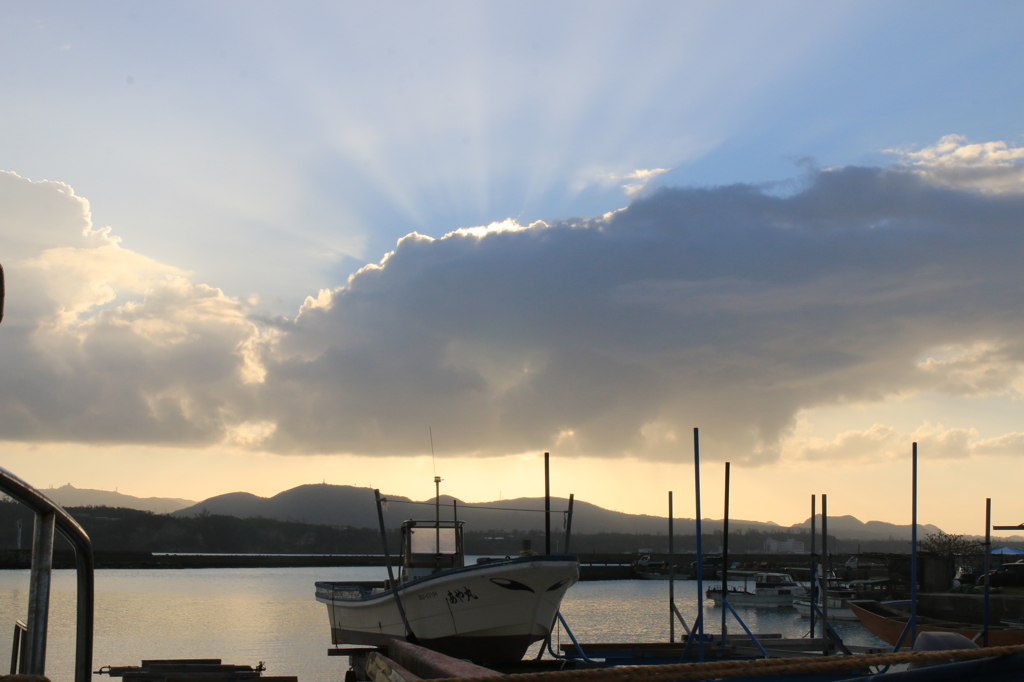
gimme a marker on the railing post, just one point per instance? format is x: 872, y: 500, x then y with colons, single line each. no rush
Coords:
x: 18, y: 648
x: 39, y: 592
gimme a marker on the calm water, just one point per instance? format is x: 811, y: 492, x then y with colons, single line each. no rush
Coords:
x: 244, y: 616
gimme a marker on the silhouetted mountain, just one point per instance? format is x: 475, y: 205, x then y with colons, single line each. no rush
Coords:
x: 332, y: 505
x: 70, y: 496
x: 852, y: 528
x: 342, y: 505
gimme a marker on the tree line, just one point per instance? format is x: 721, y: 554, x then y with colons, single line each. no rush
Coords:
x: 122, y: 529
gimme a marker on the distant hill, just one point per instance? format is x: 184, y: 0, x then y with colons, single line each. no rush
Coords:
x: 70, y: 496
x: 852, y: 528
x: 342, y: 505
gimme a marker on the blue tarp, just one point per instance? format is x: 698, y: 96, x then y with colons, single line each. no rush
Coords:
x: 1006, y: 550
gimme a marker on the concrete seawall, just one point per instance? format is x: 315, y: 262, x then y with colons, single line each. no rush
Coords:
x: 592, y: 566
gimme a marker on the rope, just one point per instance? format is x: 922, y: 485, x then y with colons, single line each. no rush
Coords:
x: 774, y: 666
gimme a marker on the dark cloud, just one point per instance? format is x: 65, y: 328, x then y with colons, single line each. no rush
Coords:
x: 728, y: 308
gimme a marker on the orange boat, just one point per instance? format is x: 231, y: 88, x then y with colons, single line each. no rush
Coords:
x: 887, y: 623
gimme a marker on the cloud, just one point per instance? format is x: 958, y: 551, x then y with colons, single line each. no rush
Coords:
x: 1010, y: 444
x: 102, y: 344
x: 727, y: 308
x: 988, y: 166
x: 881, y: 443
x: 640, y: 177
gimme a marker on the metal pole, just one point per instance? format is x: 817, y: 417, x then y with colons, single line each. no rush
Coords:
x: 568, y: 523
x: 671, y: 576
x: 437, y: 517
x: 913, y: 549
x: 725, y: 553
x: 824, y: 571
x: 988, y: 563
x: 547, y: 505
x: 39, y: 592
x: 700, y: 552
x: 814, y: 563
x: 391, y: 575
x: 460, y: 549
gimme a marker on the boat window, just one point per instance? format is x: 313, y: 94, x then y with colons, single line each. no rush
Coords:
x: 425, y: 541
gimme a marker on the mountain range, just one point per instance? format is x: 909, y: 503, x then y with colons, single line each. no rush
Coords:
x: 341, y: 505
x: 70, y: 496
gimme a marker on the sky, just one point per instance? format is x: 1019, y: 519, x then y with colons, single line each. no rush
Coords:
x: 252, y: 246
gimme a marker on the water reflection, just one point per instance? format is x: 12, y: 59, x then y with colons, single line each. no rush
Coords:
x: 245, y: 616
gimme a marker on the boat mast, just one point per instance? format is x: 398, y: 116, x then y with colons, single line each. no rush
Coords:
x: 437, y: 515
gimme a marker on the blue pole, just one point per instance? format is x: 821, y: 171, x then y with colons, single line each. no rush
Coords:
x: 700, y: 552
x: 913, y: 554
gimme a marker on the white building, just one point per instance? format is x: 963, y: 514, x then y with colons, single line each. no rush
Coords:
x: 789, y: 546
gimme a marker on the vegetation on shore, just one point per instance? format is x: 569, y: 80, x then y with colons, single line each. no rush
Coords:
x: 122, y: 529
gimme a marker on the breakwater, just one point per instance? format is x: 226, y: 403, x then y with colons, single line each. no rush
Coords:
x: 593, y: 566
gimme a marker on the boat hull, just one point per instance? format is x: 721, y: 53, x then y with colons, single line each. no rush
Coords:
x: 654, y: 575
x: 837, y: 609
x: 887, y: 624
x: 738, y: 598
x: 489, y: 612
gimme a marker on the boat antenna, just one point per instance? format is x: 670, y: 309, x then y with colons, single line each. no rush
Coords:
x: 433, y: 462
x: 437, y: 497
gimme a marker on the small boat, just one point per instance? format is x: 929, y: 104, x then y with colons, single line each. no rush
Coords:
x: 887, y: 622
x: 770, y: 589
x: 837, y: 595
x: 490, y: 612
x: 646, y: 568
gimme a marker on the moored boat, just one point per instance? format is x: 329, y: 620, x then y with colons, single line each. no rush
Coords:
x: 770, y: 589
x: 645, y: 568
x: 488, y: 612
x: 836, y: 598
x: 887, y: 623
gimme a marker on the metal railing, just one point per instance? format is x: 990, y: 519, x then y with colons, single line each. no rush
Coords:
x: 50, y: 517
x: 18, y: 652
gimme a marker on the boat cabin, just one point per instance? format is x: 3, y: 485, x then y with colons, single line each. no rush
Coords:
x: 431, y: 546
x: 775, y: 580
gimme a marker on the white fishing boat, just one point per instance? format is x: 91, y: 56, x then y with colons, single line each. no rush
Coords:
x: 837, y: 595
x: 770, y: 589
x: 491, y: 611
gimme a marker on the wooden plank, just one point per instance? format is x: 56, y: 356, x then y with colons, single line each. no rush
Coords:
x: 430, y: 664
x: 354, y: 650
